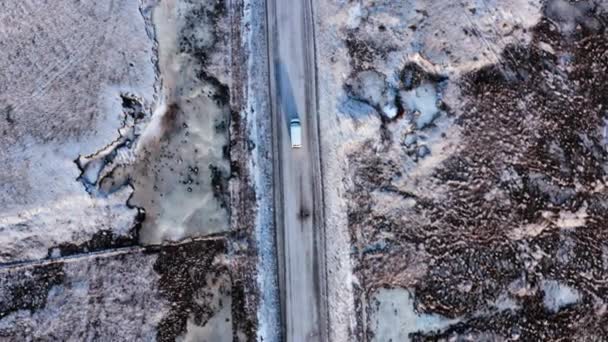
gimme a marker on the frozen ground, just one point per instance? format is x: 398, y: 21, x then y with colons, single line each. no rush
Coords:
x: 85, y: 299
x: 256, y: 109
x: 467, y: 159
x: 64, y: 70
x: 181, y: 177
x: 173, y: 293
x: 464, y: 149
x: 393, y: 317
x: 119, y: 130
x: 98, y: 129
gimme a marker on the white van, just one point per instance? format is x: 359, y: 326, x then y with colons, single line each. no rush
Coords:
x: 295, y: 131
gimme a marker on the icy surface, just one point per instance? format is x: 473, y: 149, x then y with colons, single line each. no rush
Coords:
x: 83, y: 97
x: 422, y: 101
x: 181, y: 152
x: 80, y: 218
x: 358, y: 110
x: 218, y: 328
x: 394, y: 317
x: 557, y: 295
x: 114, y: 126
x: 60, y: 89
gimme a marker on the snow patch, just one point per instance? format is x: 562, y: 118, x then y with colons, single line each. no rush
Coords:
x: 558, y: 295
x: 569, y: 15
x: 357, y: 110
x: 181, y: 151
x: 505, y: 303
x: 394, y: 317
x: 217, y: 329
x: 423, y: 102
x: 354, y: 16
x: 570, y: 220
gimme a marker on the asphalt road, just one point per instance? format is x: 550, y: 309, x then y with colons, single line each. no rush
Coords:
x: 298, y: 201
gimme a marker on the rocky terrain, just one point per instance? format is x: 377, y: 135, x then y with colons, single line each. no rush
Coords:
x: 472, y: 201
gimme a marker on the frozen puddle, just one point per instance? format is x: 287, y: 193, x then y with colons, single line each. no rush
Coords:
x: 394, y: 317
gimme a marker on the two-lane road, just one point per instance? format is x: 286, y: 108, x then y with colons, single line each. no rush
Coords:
x: 298, y: 201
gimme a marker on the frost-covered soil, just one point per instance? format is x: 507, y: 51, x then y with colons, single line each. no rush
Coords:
x: 110, y: 111
x: 127, y: 211
x: 172, y: 293
x: 64, y: 69
x: 468, y: 161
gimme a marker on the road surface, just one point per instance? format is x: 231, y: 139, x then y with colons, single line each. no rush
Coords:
x: 298, y: 201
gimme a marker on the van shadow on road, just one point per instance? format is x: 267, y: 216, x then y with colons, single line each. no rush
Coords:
x: 288, y: 105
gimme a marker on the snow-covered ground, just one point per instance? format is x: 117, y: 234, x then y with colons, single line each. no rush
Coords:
x: 394, y: 319
x: 98, y: 128
x: 181, y: 175
x: 256, y: 110
x: 179, y: 292
x: 463, y: 142
x: 64, y: 68
x: 115, y: 120
x: 463, y: 153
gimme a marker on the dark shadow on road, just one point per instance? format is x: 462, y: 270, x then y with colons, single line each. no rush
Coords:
x: 287, y: 104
